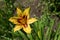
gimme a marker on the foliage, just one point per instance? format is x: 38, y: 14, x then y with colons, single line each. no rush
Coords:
x: 46, y: 28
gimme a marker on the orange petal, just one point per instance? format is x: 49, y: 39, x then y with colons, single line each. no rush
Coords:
x: 17, y: 27
x: 13, y: 20
x: 26, y: 12
x: 32, y: 20
x: 27, y: 29
x: 19, y: 12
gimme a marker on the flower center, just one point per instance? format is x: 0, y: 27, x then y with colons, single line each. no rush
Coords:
x: 23, y: 20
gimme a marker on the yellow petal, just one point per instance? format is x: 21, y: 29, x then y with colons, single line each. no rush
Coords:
x: 13, y: 20
x: 19, y: 12
x: 27, y: 29
x: 26, y: 12
x: 17, y: 27
x: 31, y: 20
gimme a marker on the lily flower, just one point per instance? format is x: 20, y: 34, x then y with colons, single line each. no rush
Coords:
x: 22, y: 20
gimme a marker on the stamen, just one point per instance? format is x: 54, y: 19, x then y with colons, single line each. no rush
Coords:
x: 19, y: 20
x: 25, y: 25
x: 24, y: 16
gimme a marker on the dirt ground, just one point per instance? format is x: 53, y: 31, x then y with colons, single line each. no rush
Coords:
x: 35, y: 5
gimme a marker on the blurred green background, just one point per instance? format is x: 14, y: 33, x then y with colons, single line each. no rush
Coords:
x: 46, y: 28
